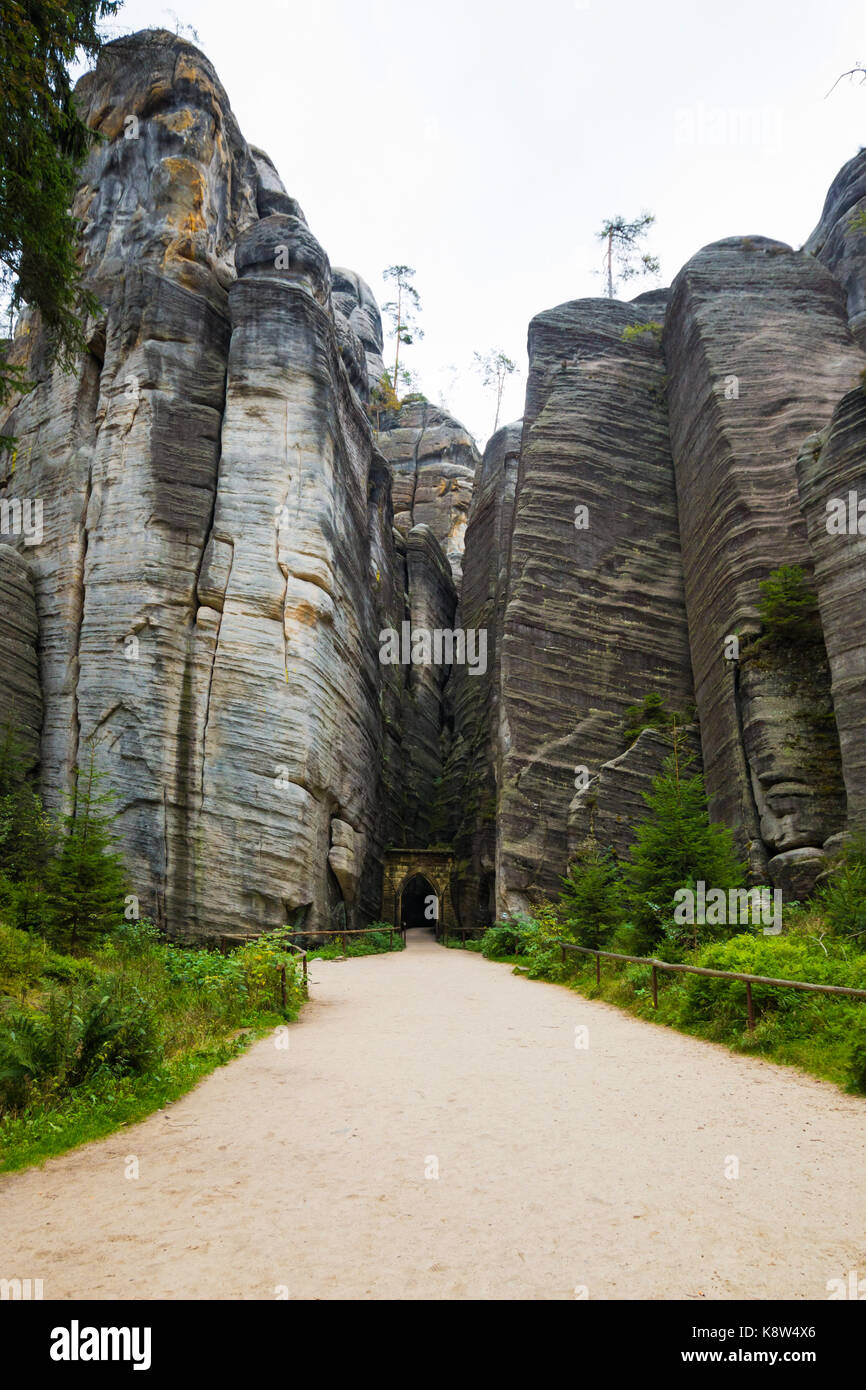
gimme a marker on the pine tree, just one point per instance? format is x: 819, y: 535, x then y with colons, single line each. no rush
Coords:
x: 495, y: 368
x: 592, y: 897
x: 42, y: 142
x: 88, y: 882
x: 789, y: 607
x: 26, y: 834
x: 403, y: 315
x: 622, y: 258
x: 676, y: 845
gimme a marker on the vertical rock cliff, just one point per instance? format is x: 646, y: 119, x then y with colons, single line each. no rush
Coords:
x: 433, y: 461
x: 594, y: 617
x: 759, y: 352
x: 234, y: 543
x: 219, y: 556
x: 471, y: 791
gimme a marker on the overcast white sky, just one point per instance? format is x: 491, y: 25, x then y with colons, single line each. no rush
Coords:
x: 484, y: 141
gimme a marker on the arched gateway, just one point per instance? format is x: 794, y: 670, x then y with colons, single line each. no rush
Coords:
x: 411, y: 877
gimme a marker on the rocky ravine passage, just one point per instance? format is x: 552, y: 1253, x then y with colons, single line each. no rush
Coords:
x: 227, y: 532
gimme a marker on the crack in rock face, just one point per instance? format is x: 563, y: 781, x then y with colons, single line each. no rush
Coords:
x: 227, y: 527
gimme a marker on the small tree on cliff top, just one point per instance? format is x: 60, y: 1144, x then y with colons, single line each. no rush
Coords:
x: 495, y: 368
x: 623, y: 259
x: 402, y: 313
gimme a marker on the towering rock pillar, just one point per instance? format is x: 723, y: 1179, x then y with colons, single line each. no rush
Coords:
x: 758, y: 352
x: 594, y: 618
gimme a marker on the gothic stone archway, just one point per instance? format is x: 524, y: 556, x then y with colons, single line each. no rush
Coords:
x: 403, y: 865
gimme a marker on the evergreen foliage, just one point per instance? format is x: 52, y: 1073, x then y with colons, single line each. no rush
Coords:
x: 676, y: 846
x: 592, y: 898
x: 788, y: 607
x: 42, y: 143
x: 88, y: 883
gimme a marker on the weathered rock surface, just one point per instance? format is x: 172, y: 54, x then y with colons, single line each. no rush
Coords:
x: 353, y: 299
x: 791, y: 745
x: 426, y: 728
x: 230, y: 530
x: 832, y: 473
x: 20, y: 690
x: 271, y: 195
x: 603, y: 815
x: 219, y: 555
x: 758, y: 351
x: 796, y: 872
x: 470, y: 781
x: 839, y: 240
x: 595, y: 617
x: 433, y: 460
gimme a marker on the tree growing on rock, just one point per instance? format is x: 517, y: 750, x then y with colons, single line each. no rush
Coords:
x: 383, y: 400
x: 403, y: 314
x: 495, y: 368
x: 42, y: 142
x: 623, y: 258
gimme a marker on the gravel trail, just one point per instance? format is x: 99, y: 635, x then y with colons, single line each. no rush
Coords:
x: 309, y: 1171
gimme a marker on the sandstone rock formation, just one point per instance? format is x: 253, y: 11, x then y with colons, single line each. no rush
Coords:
x: 353, y: 299
x: 470, y: 782
x: 219, y: 556
x: 839, y: 240
x: 232, y: 529
x: 743, y: 396
x: 832, y: 470
x: 594, y: 618
x: 20, y: 692
x: 604, y: 814
x: 433, y: 460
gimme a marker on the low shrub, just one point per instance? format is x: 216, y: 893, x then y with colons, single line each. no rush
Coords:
x: 510, y: 937
x: 842, y: 898
x: 857, y: 1057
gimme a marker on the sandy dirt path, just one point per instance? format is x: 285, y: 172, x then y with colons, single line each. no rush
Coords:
x: 303, y: 1170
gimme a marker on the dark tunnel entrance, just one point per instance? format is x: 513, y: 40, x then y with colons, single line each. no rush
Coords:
x: 419, y: 904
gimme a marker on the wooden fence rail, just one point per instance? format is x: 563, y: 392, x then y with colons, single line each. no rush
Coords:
x: 748, y: 980
x: 462, y: 932
x: 303, y: 956
x: 354, y: 931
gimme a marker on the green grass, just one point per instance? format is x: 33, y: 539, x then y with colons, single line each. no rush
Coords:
x: 816, y: 1040
x: 819, y: 1034
x: 93, y: 1042
x: 92, y: 1112
x: 372, y: 943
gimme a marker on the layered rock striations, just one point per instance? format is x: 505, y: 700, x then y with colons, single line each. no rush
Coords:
x: 433, y: 460
x: 832, y: 482
x: 219, y: 556
x: 20, y: 690
x: 839, y: 240
x: 759, y: 352
x: 471, y: 792
x: 237, y: 548
x: 594, y: 618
